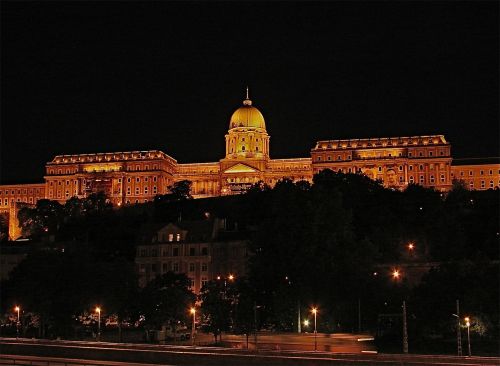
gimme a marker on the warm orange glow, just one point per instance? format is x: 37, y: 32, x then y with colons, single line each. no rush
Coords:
x: 98, y: 309
x: 396, y: 274
x: 314, y: 310
x: 17, y: 308
x: 306, y: 323
x: 218, y: 277
x: 231, y: 277
x: 193, y: 311
x: 411, y: 246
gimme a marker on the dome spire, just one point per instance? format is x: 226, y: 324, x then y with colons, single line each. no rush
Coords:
x: 247, y: 101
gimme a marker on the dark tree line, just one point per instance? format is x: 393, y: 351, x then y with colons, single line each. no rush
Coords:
x: 316, y: 244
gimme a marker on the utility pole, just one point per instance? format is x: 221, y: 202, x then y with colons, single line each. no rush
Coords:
x: 255, y: 324
x: 459, y: 334
x: 359, y: 315
x: 299, y: 330
x: 405, y: 329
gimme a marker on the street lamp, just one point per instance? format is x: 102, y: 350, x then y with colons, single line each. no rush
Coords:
x: 315, y: 311
x: 193, y: 311
x: 98, y: 310
x: 306, y: 323
x: 396, y: 274
x: 17, y: 309
x: 231, y: 277
x: 467, y: 323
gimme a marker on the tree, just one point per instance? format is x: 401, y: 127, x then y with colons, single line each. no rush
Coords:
x: 181, y: 190
x: 166, y: 299
x: 215, y: 307
x: 44, y: 218
x: 4, y: 227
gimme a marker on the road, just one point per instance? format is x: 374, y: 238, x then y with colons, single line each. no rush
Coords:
x: 43, y: 352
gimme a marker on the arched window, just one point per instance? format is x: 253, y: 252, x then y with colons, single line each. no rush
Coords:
x: 243, y: 148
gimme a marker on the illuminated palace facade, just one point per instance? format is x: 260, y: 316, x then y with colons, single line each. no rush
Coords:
x: 138, y: 176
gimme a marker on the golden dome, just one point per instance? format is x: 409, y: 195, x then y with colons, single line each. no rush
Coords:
x: 247, y: 116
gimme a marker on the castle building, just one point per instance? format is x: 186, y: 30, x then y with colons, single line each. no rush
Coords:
x: 138, y: 176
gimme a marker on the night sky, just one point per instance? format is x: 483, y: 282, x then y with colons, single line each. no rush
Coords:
x: 80, y: 77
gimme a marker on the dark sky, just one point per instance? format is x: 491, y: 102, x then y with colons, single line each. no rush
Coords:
x: 80, y: 77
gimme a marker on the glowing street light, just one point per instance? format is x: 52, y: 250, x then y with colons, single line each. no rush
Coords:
x: 411, y: 246
x: 17, y: 309
x: 315, y: 312
x: 396, y: 274
x: 306, y: 323
x: 98, y: 311
x: 231, y: 277
x: 193, y: 311
x: 467, y: 323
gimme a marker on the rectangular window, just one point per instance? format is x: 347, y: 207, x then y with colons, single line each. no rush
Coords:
x: 175, y: 252
x: 410, y: 167
x: 481, y: 172
x: 137, y: 190
x: 204, y: 281
x: 492, y: 184
x: 155, y: 190
x: 470, y: 173
x: 411, y: 179
x: 143, y: 252
x: 430, y: 153
x: 421, y: 179
x: 137, y: 179
x: 128, y: 191
x: 191, y: 282
x: 165, y: 267
x: 432, y: 179
x: 471, y: 184
x: 442, y: 178
x: 491, y: 172
x: 192, y: 251
x: 145, y: 190
x: 483, y: 185
x: 191, y: 267
x: 170, y: 237
x: 204, y: 251
x: 178, y: 237
x: 176, y: 267
x: 318, y: 158
x: 204, y: 267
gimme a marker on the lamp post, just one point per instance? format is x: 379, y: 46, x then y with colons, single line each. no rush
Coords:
x: 98, y: 310
x: 17, y: 309
x: 467, y: 323
x: 193, y: 311
x: 315, y: 311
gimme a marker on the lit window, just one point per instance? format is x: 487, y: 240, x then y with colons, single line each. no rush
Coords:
x: 178, y: 237
x: 170, y: 237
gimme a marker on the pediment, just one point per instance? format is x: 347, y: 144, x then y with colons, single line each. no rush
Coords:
x: 240, y: 168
